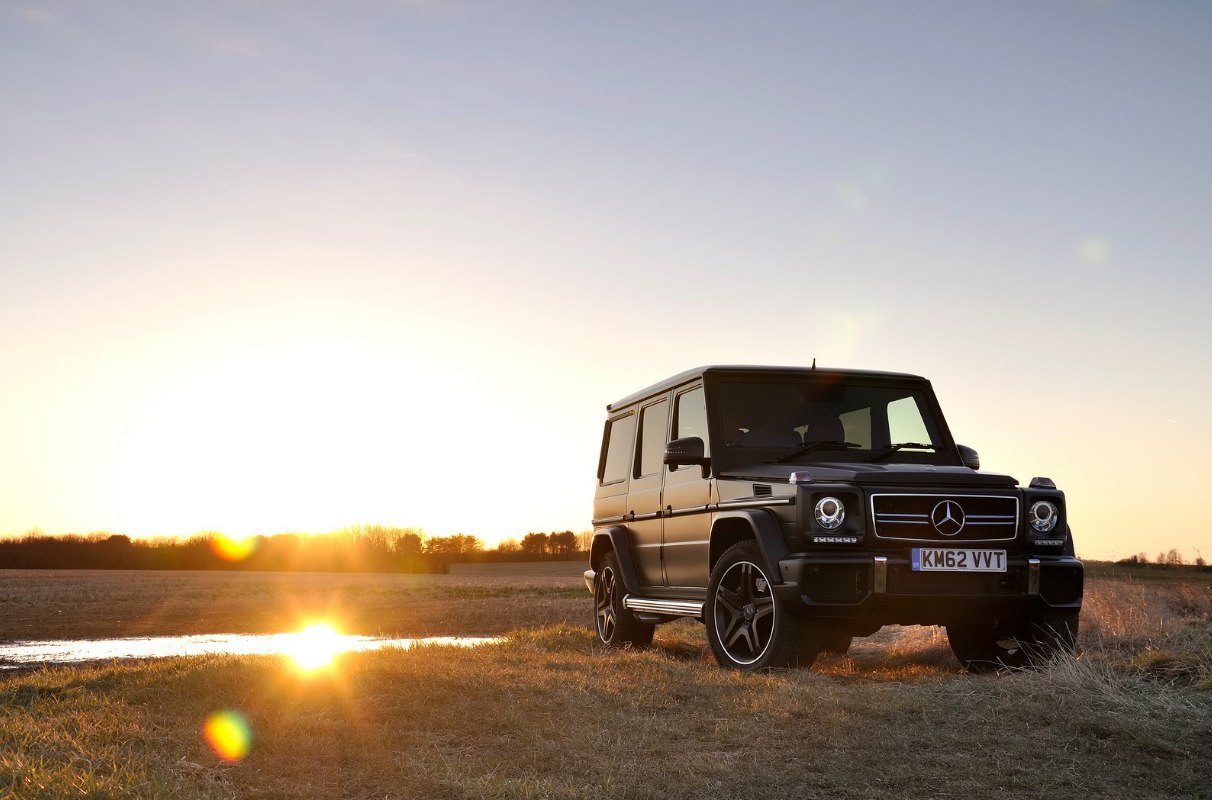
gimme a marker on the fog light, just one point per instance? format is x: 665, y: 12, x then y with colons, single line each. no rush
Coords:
x: 1043, y: 516
x: 829, y: 513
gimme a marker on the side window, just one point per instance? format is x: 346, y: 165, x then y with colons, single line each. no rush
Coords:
x: 690, y: 418
x: 905, y: 422
x: 616, y: 461
x: 652, y: 438
x: 857, y: 426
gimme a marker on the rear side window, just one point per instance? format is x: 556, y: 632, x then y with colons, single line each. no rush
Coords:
x: 652, y: 438
x: 616, y: 461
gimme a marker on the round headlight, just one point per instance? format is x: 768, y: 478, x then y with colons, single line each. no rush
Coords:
x: 829, y: 513
x: 1043, y: 516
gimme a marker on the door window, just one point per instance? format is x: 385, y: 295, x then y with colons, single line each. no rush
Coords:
x: 690, y: 418
x: 652, y: 438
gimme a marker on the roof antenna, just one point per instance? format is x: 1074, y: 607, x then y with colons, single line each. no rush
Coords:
x: 814, y: 362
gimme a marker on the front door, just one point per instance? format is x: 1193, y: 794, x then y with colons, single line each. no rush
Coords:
x: 687, y: 540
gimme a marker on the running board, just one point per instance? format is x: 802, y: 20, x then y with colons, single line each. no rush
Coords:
x: 652, y: 605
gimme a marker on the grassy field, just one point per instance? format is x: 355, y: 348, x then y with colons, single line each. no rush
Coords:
x: 493, y: 599
x: 548, y: 713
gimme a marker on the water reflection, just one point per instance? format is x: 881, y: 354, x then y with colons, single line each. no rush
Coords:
x: 17, y: 654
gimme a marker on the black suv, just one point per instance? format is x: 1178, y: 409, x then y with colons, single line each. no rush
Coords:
x: 791, y: 509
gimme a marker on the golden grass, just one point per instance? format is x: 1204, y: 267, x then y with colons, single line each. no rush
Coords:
x: 549, y: 713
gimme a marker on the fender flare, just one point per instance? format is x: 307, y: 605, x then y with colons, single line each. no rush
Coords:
x: 766, y: 532
x: 615, y: 538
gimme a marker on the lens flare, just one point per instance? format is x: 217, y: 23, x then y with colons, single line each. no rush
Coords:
x: 230, y: 548
x: 228, y: 734
x: 1094, y: 250
x: 315, y: 646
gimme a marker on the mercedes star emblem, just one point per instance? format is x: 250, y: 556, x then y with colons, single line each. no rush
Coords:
x: 948, y: 518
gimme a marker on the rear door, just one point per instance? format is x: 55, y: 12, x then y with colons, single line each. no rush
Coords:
x: 644, y: 502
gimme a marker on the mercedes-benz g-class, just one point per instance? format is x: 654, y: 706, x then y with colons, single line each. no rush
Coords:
x: 792, y: 509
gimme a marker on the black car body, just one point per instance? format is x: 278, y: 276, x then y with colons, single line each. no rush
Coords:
x: 791, y: 509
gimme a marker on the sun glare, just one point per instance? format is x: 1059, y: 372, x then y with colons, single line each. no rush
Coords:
x: 233, y: 548
x: 315, y: 647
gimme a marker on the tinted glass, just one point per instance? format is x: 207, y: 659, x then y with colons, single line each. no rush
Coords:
x: 620, y: 435
x: 652, y: 438
x: 691, y: 417
x: 851, y: 421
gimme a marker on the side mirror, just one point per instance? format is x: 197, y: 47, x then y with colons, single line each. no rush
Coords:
x: 689, y: 450
x: 969, y: 457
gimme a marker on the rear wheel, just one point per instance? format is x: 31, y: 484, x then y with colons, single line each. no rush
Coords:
x: 982, y: 647
x: 746, y: 629
x: 616, y: 625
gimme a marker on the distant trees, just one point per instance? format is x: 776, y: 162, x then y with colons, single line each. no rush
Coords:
x: 1170, y: 559
x: 1173, y: 558
x: 362, y: 548
x: 562, y: 544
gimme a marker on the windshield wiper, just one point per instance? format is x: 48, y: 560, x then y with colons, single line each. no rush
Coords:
x: 892, y: 448
x: 832, y: 444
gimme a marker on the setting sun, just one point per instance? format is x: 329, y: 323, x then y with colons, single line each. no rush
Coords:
x: 233, y: 548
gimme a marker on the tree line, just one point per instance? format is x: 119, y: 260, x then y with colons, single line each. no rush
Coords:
x: 365, y: 548
x: 1173, y: 558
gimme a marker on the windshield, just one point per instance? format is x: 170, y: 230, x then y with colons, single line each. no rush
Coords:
x: 802, y: 420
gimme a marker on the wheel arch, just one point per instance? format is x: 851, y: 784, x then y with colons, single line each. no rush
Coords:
x: 750, y: 524
x: 615, y: 539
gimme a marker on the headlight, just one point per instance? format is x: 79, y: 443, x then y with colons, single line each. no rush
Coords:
x: 1043, y: 516
x: 829, y: 513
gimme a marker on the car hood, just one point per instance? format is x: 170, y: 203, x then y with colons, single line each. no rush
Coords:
x: 830, y: 472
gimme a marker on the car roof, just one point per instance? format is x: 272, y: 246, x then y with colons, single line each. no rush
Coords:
x: 750, y: 369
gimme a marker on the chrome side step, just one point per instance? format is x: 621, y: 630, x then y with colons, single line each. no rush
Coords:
x: 652, y: 605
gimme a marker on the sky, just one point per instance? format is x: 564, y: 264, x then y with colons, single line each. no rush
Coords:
x: 295, y: 266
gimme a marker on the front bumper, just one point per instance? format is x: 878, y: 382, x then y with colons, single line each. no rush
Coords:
x: 885, y: 587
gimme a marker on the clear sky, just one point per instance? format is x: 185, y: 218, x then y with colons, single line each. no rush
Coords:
x: 271, y: 266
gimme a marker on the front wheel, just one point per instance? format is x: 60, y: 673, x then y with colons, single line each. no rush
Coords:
x: 982, y: 647
x: 616, y: 625
x: 746, y: 629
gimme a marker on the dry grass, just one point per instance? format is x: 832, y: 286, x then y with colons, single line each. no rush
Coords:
x: 551, y: 714
x: 80, y: 604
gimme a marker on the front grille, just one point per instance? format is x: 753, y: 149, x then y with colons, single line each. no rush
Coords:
x: 944, y: 517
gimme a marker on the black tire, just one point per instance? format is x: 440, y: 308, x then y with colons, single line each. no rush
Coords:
x: 983, y: 647
x: 746, y: 629
x: 616, y: 625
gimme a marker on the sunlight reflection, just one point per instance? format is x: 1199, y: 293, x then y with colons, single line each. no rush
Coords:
x: 228, y: 734
x: 14, y: 655
x: 315, y: 646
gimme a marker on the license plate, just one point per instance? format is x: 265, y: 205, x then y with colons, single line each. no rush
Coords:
x: 946, y: 559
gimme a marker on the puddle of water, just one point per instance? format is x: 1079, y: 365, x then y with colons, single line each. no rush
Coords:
x: 18, y: 654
